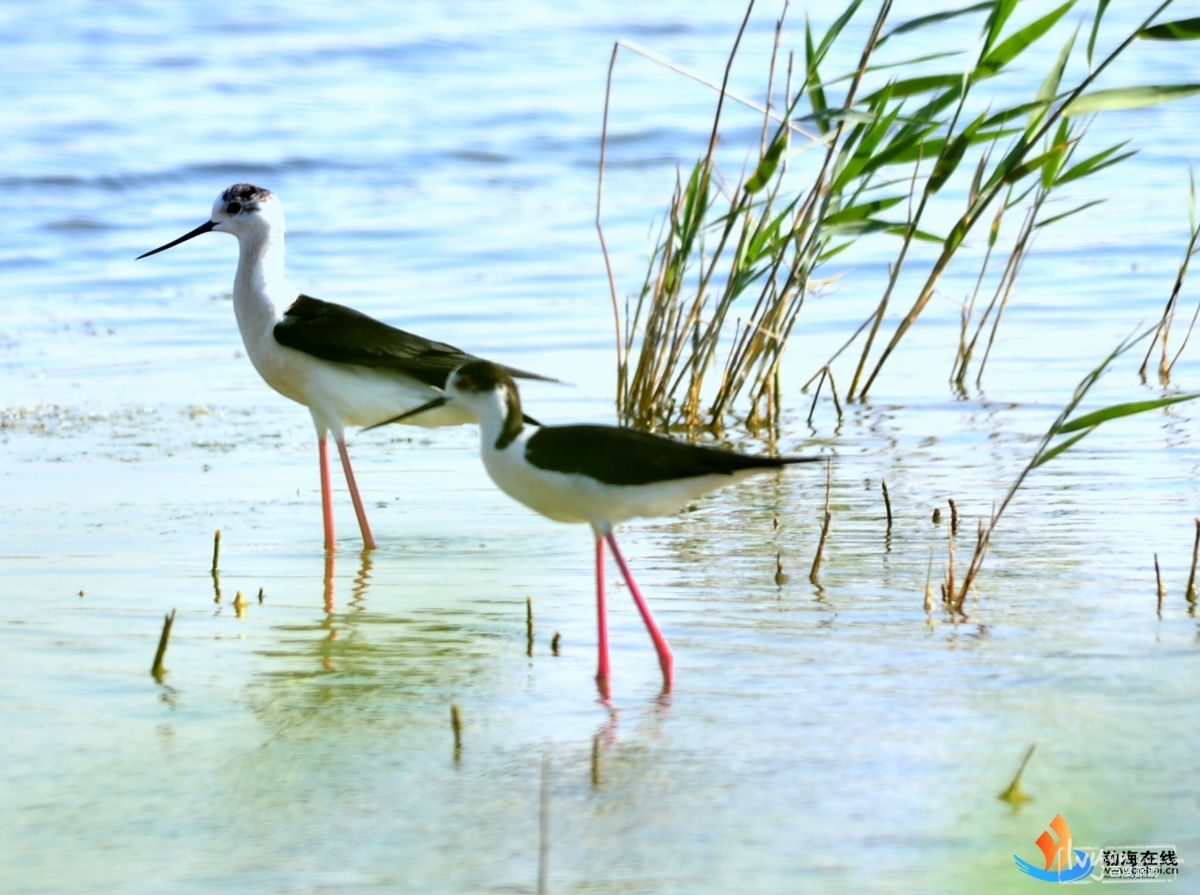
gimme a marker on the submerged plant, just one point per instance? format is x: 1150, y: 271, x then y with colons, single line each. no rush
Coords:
x: 737, y: 259
x: 1162, y: 332
x: 1064, y: 433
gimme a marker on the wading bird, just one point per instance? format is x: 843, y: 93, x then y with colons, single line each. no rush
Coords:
x: 601, y: 475
x: 347, y: 368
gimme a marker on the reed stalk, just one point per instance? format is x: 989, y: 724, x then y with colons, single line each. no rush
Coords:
x: 1064, y: 433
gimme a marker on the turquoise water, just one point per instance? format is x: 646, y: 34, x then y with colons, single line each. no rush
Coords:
x: 439, y: 172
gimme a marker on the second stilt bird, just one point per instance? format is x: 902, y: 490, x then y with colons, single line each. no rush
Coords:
x: 601, y: 475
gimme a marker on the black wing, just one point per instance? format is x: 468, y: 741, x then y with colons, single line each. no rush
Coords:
x: 343, y: 335
x: 629, y: 457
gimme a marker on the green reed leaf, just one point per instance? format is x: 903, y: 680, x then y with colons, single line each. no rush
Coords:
x: 1047, y: 456
x: 768, y: 164
x: 1104, y: 159
x: 952, y: 83
x: 950, y: 157
x: 1049, y: 88
x: 1016, y: 44
x: 862, y: 211
x: 936, y: 18
x: 1066, y: 214
x: 995, y: 24
x: 1184, y: 29
x: 814, y: 88
x: 1091, y: 45
x: 1128, y: 98
x: 1117, y: 411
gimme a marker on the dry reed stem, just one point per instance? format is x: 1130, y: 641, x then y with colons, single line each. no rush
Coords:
x: 157, y: 669
x: 948, y: 587
x: 1168, y: 316
x: 1190, y: 592
x: 929, y: 588
x: 976, y: 559
x: 825, y: 373
x: 887, y: 502
x: 216, y: 577
x: 456, y: 727
x: 815, y: 573
x: 622, y: 360
x: 529, y: 626
x: 1162, y: 591
x: 1012, y: 793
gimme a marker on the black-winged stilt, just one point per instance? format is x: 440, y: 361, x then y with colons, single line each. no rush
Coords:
x: 601, y: 475
x: 347, y: 368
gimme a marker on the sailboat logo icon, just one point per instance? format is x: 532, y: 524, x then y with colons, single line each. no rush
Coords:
x: 1064, y: 863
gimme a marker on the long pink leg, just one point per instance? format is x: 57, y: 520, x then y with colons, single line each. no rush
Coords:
x: 326, y: 492
x: 363, y: 525
x: 665, y: 660
x: 601, y: 623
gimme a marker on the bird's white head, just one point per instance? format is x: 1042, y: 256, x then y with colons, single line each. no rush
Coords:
x: 484, y: 388
x: 249, y: 212
x: 485, y: 391
x: 245, y: 208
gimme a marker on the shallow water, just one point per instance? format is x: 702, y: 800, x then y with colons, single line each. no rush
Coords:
x: 439, y: 172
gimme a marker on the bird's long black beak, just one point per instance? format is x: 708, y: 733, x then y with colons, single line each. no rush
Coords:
x: 428, y: 405
x: 203, y: 228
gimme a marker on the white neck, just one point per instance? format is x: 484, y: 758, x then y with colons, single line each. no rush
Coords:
x: 259, y: 283
x: 497, y: 420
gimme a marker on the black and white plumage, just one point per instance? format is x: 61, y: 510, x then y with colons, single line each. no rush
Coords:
x: 347, y: 368
x: 601, y: 475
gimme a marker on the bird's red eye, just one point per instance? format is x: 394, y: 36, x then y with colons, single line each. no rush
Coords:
x: 464, y: 382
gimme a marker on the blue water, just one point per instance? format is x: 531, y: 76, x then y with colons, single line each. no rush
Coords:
x: 438, y: 166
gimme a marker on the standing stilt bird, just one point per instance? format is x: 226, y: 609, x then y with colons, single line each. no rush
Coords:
x: 601, y: 475
x: 347, y: 368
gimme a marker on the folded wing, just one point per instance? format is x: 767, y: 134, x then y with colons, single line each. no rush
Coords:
x: 343, y: 335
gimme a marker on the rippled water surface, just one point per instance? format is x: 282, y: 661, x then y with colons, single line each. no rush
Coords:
x: 438, y: 166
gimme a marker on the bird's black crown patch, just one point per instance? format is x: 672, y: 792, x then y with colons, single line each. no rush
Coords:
x: 243, y: 197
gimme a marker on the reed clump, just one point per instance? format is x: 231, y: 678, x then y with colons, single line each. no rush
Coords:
x: 873, y: 147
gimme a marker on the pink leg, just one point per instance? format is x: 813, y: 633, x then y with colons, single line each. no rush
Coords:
x: 326, y: 493
x: 601, y: 623
x: 665, y: 661
x: 363, y: 525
